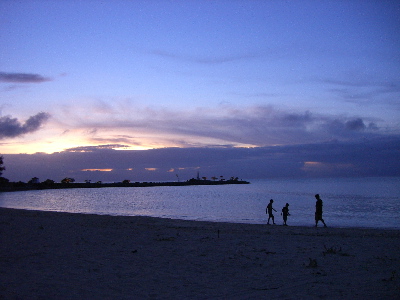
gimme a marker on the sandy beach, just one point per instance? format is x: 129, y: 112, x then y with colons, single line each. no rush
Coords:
x: 48, y: 255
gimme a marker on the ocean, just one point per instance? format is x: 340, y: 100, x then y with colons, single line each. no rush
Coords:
x: 348, y: 202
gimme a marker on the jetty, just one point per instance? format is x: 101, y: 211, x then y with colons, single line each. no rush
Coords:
x: 22, y: 186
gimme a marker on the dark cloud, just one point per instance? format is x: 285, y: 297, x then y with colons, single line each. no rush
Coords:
x: 11, y: 127
x: 22, y: 78
x: 263, y: 126
x: 375, y: 157
x: 357, y: 124
x: 351, y: 129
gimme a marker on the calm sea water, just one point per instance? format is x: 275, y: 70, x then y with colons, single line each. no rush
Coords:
x: 349, y: 202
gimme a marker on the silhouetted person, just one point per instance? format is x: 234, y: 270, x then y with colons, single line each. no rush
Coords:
x: 269, y: 211
x: 285, y: 213
x: 318, y: 211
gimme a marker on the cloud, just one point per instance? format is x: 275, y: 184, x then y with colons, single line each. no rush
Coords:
x: 22, y: 78
x: 373, y: 157
x: 11, y: 127
x: 210, y: 60
x: 349, y: 127
x: 356, y: 124
x: 258, y: 126
x: 357, y: 82
x: 364, y: 90
x: 117, y: 139
x: 264, y: 126
x: 96, y: 148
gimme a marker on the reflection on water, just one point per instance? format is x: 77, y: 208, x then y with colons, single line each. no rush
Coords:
x: 367, y: 202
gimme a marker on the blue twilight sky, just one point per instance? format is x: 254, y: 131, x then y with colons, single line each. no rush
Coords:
x: 134, y: 75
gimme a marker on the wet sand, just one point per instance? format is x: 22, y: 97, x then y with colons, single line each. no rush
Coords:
x: 49, y: 255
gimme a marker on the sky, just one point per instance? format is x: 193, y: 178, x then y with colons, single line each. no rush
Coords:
x: 160, y: 90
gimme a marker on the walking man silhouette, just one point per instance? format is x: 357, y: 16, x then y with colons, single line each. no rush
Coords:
x: 285, y: 213
x: 269, y: 212
x: 318, y: 211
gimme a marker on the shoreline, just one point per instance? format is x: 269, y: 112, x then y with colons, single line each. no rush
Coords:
x: 4, y: 210
x: 69, y: 255
x: 309, y: 225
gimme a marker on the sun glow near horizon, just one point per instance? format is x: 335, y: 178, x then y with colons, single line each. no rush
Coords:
x: 97, y: 170
x: 49, y: 142
x: 50, y: 147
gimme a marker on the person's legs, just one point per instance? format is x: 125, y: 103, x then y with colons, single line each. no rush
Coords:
x: 271, y: 216
x: 319, y: 218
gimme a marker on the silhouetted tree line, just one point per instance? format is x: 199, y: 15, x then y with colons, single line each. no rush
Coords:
x: 68, y: 182
x: 2, y: 168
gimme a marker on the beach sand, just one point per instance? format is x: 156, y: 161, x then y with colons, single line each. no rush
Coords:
x: 49, y: 255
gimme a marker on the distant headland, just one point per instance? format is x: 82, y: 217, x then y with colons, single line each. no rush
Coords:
x: 68, y: 183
